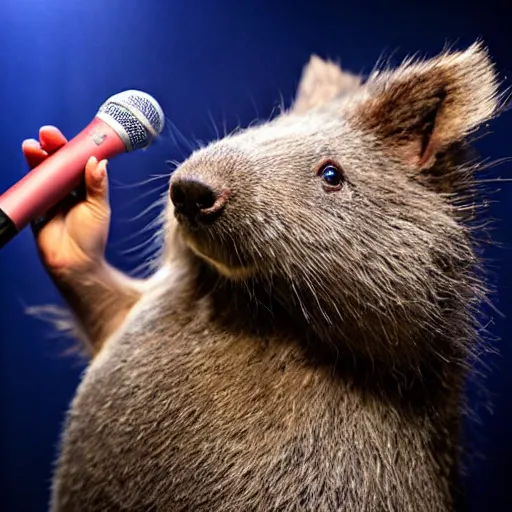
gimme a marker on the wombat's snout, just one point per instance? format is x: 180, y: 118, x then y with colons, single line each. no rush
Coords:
x: 197, y: 201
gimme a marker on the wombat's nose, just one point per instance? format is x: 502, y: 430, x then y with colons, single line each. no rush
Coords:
x: 196, y: 200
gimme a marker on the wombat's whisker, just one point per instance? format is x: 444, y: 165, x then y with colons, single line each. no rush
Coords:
x: 138, y: 184
x: 216, y: 130
x: 179, y: 138
x: 151, y: 207
x: 158, y: 221
x: 154, y: 191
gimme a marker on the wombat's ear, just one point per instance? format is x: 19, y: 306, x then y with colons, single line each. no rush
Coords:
x: 421, y: 108
x: 321, y: 81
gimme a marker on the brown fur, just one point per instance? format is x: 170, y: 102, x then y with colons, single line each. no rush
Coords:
x: 306, y: 351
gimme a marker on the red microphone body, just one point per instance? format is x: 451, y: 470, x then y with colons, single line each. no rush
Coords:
x: 125, y: 122
x: 52, y: 180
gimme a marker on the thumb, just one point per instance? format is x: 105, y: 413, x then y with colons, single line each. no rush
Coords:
x: 96, y: 183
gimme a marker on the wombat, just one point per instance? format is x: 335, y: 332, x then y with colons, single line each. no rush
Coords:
x: 305, y: 341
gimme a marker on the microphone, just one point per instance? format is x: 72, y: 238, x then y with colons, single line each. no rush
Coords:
x: 126, y: 121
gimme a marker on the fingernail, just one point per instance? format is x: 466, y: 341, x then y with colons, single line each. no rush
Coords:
x: 47, y: 127
x: 30, y: 142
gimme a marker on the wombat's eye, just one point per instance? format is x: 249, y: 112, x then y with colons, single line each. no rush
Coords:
x: 331, y: 176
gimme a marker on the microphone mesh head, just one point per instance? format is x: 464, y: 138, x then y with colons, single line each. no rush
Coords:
x: 135, y: 116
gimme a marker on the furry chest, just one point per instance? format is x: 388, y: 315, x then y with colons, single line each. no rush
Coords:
x: 196, y: 419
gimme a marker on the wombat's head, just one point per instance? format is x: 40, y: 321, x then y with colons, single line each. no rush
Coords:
x: 351, y: 199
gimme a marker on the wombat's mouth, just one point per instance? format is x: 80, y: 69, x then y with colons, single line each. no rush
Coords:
x: 200, y: 208
x: 226, y: 260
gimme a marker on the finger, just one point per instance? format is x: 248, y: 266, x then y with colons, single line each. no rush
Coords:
x: 51, y: 139
x: 96, y: 182
x: 33, y: 152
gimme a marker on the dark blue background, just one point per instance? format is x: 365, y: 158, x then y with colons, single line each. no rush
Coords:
x: 209, y: 63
